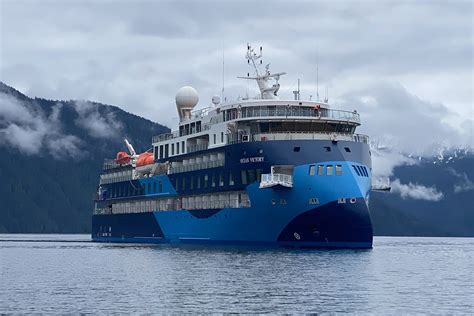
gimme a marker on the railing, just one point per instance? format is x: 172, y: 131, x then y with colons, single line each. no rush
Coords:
x: 296, y: 111
x: 110, y: 164
x: 198, y: 147
x: 231, y: 203
x: 197, y: 166
x: 281, y: 111
x: 234, y: 138
x: 271, y: 179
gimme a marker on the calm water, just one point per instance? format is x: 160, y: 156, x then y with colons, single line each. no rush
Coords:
x: 67, y: 273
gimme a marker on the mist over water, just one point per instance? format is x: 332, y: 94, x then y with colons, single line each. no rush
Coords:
x: 67, y: 273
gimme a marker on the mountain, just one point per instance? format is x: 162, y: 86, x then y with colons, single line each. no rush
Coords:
x: 52, y: 154
x: 451, y: 213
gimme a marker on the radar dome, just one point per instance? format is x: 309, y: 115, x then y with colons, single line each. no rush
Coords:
x: 186, y: 98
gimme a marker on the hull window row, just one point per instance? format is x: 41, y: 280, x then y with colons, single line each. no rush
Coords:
x: 194, y: 202
x: 328, y: 170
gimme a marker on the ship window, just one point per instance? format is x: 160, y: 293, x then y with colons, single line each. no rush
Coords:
x: 214, y: 138
x: 283, y: 201
x: 327, y: 148
x: 259, y: 175
x: 296, y: 149
x: 222, y: 137
x: 313, y: 201
x: 213, y: 183
x: 347, y: 149
x: 357, y: 171
x: 154, y: 187
x: 166, y: 150
x: 251, y: 175
x: 191, y: 181
x: 184, y: 184
x: 198, y: 184
x: 243, y: 176
x: 312, y: 170
x: 338, y: 170
x: 231, y: 179
x: 177, y: 148
x: 182, y: 147
x: 161, y: 151
x: 155, y: 152
x: 329, y: 170
x: 177, y: 184
x: 172, y: 149
x: 260, y: 151
x: 160, y: 186
x: 244, y: 152
x: 221, y: 179
x: 320, y: 170
x: 206, y: 180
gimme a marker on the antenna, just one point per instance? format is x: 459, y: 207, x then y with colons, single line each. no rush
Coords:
x: 298, y: 88
x: 317, y: 83
x: 223, y: 68
x: 297, y: 92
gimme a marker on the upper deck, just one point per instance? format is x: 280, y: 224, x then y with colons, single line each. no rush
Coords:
x: 261, y: 110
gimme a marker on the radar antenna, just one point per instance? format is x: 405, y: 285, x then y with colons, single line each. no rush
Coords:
x: 266, y: 91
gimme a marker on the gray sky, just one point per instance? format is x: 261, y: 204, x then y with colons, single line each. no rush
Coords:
x: 406, y: 66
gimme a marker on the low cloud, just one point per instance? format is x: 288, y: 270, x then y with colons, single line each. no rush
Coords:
x: 97, y: 125
x: 26, y: 127
x: 464, y: 184
x: 396, y: 118
x: 416, y: 191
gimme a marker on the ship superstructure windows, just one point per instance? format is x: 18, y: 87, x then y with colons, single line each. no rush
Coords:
x: 231, y: 178
x: 312, y: 169
x: 329, y: 170
x: 320, y: 170
x: 338, y: 170
x: 347, y: 149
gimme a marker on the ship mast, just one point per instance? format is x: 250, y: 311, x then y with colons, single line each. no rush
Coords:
x: 266, y: 91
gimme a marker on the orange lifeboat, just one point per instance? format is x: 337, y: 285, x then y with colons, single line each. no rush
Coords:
x: 144, y: 159
x: 122, y: 158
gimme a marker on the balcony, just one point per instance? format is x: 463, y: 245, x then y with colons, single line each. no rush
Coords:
x: 269, y: 180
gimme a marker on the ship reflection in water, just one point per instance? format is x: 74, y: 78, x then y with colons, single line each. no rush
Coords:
x: 398, y: 276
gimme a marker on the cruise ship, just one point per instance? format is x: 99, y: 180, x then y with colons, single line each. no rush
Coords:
x: 255, y: 171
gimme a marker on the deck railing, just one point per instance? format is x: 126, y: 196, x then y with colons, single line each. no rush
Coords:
x: 280, y: 111
x: 235, y: 138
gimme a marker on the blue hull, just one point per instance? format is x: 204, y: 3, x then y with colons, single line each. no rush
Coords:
x: 339, y: 219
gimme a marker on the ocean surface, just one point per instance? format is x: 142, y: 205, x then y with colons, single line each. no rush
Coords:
x: 68, y: 273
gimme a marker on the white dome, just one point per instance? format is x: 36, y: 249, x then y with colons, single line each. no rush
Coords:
x: 186, y: 98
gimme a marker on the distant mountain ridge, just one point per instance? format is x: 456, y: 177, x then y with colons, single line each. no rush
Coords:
x: 49, y: 189
x: 47, y: 185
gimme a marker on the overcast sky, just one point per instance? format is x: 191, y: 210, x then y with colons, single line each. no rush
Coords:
x: 406, y: 66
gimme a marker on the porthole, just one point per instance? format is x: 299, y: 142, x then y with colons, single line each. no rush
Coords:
x: 297, y: 236
x: 297, y: 149
x: 273, y: 201
x: 341, y: 201
x: 353, y: 200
